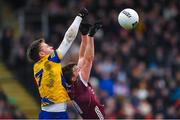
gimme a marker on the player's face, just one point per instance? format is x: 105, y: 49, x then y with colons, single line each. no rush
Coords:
x: 45, y: 49
x: 76, y: 70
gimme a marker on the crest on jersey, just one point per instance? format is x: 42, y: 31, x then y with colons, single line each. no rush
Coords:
x: 52, y: 55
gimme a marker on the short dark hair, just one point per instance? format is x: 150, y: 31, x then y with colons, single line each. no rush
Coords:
x: 68, y: 72
x: 33, y: 50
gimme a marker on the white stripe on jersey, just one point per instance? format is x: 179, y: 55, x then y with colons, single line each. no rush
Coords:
x: 77, y: 107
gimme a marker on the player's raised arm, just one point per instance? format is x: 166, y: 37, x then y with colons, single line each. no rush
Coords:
x: 71, y: 33
x: 84, y: 29
x: 89, y: 52
x: 83, y: 46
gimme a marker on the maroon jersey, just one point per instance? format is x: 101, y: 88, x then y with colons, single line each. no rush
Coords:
x: 85, y: 101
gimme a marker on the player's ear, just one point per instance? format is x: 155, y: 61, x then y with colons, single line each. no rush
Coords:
x: 72, y: 78
x: 41, y: 54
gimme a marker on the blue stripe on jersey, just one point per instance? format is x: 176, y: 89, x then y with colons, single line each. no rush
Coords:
x: 46, y: 100
x: 54, y: 57
x: 63, y: 81
x: 39, y: 74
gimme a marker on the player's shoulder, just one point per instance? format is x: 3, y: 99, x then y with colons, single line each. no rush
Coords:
x: 82, y: 80
x: 55, y: 56
x: 41, y: 62
x: 81, y: 83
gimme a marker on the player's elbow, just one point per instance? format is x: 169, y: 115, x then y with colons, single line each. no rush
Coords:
x: 90, y: 58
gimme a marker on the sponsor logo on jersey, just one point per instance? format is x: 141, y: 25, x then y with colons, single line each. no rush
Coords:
x: 99, y: 114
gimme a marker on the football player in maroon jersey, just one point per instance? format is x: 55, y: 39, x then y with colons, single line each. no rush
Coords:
x: 77, y: 76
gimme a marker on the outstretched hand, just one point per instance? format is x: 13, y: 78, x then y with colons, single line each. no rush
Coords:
x: 83, y: 12
x: 84, y: 28
x: 98, y: 25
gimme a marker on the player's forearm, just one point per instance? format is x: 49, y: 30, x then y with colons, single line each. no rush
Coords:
x: 89, y: 52
x: 70, y: 36
x: 83, y: 45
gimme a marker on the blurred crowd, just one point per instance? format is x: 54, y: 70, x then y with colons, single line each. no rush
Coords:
x: 8, y: 110
x: 136, y: 74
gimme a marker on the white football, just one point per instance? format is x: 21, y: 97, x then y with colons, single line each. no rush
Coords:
x: 128, y: 18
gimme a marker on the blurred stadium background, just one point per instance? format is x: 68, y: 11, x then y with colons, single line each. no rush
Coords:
x: 136, y: 74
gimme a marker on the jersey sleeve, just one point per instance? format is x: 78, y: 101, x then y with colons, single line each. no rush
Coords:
x: 55, y: 57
